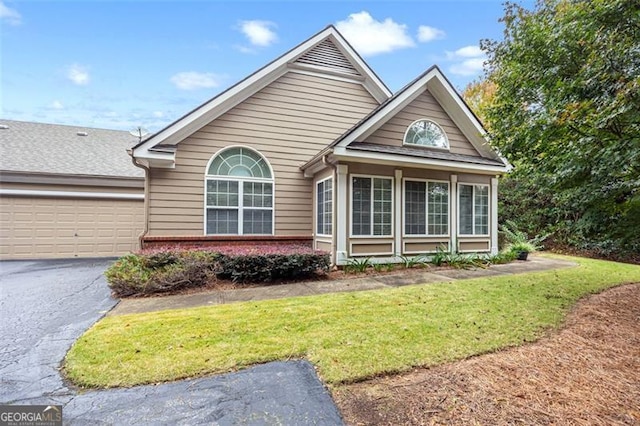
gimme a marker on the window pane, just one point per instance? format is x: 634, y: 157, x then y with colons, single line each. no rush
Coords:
x: 222, y: 221
x: 257, y: 221
x: 438, y: 199
x: 382, y: 206
x: 222, y: 193
x: 481, y: 201
x: 257, y: 194
x: 426, y: 133
x: 361, y: 214
x: 414, y: 208
x: 239, y: 162
x: 466, y: 209
x: 324, y: 207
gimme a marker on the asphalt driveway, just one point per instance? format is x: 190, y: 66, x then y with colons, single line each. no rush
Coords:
x: 46, y: 305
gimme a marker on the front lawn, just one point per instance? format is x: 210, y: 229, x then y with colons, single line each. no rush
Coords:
x: 348, y: 336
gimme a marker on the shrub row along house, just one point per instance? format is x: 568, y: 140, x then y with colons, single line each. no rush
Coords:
x: 314, y: 147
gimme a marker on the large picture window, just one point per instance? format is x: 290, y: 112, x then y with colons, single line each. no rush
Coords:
x: 426, y: 208
x: 372, y: 204
x: 426, y: 133
x: 324, y: 207
x: 239, y: 193
x: 474, y: 209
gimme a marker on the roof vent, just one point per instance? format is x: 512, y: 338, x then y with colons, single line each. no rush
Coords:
x: 82, y: 134
x: 3, y: 126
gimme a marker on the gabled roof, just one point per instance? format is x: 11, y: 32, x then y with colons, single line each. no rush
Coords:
x: 327, y: 52
x: 29, y: 147
x: 439, y: 86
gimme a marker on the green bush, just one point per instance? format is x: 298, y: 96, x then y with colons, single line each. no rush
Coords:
x: 272, y: 267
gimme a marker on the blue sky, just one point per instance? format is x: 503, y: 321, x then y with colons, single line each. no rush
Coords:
x: 122, y: 64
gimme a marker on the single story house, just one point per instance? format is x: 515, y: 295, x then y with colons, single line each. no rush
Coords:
x: 67, y: 191
x: 314, y: 147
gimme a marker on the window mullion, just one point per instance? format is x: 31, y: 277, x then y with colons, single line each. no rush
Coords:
x: 240, y: 207
x: 372, y: 200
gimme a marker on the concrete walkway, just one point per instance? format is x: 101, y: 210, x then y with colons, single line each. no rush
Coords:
x: 308, y: 288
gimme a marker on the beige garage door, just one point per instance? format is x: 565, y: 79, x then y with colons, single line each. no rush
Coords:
x: 67, y: 227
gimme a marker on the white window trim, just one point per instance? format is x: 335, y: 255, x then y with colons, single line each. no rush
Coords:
x: 391, y: 178
x: 404, y: 199
x: 446, y: 138
x: 315, y: 215
x: 240, y: 181
x: 473, y: 209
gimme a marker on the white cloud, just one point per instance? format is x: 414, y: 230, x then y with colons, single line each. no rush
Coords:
x: 371, y: 37
x: 427, y: 33
x: 468, y: 61
x: 259, y: 33
x: 56, y: 105
x: 468, y: 67
x: 191, y: 80
x: 78, y: 74
x: 11, y: 16
x: 466, y: 52
x: 158, y: 114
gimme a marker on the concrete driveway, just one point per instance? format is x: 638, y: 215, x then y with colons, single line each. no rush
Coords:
x: 46, y: 305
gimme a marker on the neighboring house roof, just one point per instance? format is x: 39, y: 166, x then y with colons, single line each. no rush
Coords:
x: 327, y: 52
x: 28, y: 147
x: 440, y: 87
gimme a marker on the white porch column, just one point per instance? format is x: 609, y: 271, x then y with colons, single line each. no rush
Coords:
x: 342, y: 211
x: 453, y: 214
x: 494, y: 215
x: 398, y: 213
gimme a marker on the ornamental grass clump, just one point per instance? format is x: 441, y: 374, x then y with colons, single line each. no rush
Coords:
x: 161, y: 271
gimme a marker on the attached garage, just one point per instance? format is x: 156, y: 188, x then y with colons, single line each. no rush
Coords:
x: 55, y: 206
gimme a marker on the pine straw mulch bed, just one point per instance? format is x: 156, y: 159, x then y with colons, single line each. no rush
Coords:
x: 587, y: 373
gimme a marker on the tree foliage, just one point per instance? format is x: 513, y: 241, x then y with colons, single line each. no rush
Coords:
x: 565, y: 110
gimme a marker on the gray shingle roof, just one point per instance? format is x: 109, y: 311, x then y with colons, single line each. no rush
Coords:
x: 53, y: 148
x: 422, y: 153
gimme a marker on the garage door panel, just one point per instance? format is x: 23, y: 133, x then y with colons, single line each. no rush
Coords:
x: 49, y: 227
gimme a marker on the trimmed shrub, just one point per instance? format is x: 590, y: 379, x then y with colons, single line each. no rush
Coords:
x: 170, y: 269
x: 272, y: 267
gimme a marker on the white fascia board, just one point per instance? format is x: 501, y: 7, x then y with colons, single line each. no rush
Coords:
x: 388, y: 111
x: 343, y: 154
x: 71, y: 194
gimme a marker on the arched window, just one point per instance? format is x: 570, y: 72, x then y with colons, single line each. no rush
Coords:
x: 239, y: 193
x: 426, y: 133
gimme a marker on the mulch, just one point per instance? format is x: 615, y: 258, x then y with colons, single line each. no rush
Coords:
x: 586, y: 373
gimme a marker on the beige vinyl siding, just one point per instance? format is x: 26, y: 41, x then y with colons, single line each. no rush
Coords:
x: 424, y: 106
x: 288, y: 122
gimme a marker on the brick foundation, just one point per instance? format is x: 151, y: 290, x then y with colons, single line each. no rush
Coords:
x: 217, y: 240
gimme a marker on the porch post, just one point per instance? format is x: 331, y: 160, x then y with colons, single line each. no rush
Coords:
x: 398, y: 209
x: 342, y: 211
x: 494, y: 215
x: 453, y: 214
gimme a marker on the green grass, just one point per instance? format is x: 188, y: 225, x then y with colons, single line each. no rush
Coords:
x: 348, y: 336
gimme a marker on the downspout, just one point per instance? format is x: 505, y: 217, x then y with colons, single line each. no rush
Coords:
x: 334, y: 231
x: 145, y: 229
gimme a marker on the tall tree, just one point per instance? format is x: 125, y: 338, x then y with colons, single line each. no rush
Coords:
x: 566, y: 110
